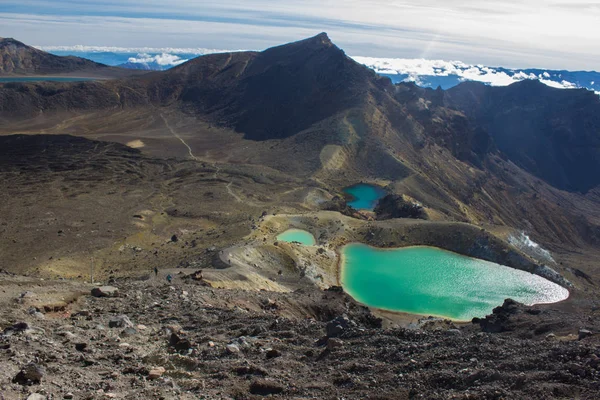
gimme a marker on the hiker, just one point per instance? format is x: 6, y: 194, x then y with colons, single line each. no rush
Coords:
x: 155, y: 271
x: 169, y: 278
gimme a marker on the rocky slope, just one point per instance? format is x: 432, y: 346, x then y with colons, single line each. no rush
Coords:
x: 186, y: 340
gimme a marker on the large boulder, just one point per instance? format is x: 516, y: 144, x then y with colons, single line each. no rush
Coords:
x: 105, y: 291
x: 501, y: 318
x: 264, y: 387
x: 338, y: 325
x: 29, y: 375
x: 179, y: 343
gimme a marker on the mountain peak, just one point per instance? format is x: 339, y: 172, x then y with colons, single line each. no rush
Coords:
x: 11, y: 41
x: 315, y: 43
x: 323, y: 38
x: 320, y: 40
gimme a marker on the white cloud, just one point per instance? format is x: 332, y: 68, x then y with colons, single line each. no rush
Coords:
x: 163, y: 59
x: 415, y: 69
x: 559, y: 85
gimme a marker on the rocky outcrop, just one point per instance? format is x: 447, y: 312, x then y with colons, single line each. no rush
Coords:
x: 396, y: 206
x: 31, y: 374
x: 216, y: 335
x: 105, y: 291
x: 340, y: 205
x: 500, y: 319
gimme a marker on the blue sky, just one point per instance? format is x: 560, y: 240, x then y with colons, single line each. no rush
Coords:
x: 515, y: 33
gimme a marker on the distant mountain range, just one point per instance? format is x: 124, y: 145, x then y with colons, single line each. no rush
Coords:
x: 142, y: 58
x: 425, y: 73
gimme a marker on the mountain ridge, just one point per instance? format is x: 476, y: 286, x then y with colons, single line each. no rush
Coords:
x: 19, y: 59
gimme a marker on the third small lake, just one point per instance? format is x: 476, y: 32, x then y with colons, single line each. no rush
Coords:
x: 364, y: 196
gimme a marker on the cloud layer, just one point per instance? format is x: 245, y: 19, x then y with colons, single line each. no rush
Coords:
x: 162, y: 60
x: 417, y: 70
x: 545, y: 33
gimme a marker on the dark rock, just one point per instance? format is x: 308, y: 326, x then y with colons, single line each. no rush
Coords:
x: 337, y: 326
x: 583, y: 333
x: 105, y: 291
x: 273, y: 353
x: 31, y: 374
x: 174, y: 239
x: 264, y: 388
x: 82, y: 313
x: 80, y: 346
x: 396, y: 206
x: 143, y: 371
x: 179, y: 343
x: 16, y: 328
x: 500, y: 319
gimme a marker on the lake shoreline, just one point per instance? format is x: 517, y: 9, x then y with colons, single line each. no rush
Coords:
x: 524, y: 282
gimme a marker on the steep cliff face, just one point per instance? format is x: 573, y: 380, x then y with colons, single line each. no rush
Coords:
x: 554, y: 134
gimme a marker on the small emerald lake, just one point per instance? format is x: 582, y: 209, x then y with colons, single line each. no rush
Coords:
x: 431, y: 281
x: 364, y: 196
x: 297, y: 235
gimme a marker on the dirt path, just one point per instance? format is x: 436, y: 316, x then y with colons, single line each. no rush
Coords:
x: 192, y: 156
x: 235, y: 196
x: 179, y: 137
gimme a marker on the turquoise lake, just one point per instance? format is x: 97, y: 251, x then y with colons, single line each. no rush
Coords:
x: 432, y: 281
x: 364, y: 196
x: 297, y: 235
x: 43, y: 79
